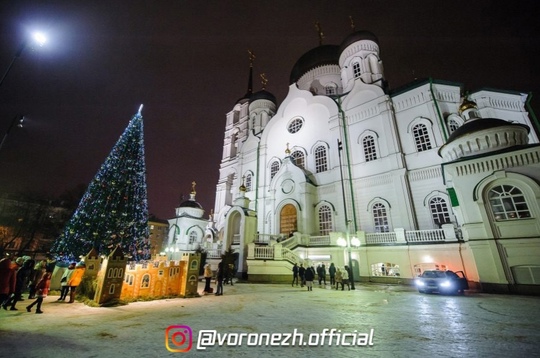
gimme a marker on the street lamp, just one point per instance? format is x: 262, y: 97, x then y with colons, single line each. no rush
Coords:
x: 17, y: 118
x: 37, y: 37
x: 348, y: 242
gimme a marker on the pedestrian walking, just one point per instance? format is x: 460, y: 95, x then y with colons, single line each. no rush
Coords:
x: 332, y: 273
x: 345, y: 279
x: 295, y: 274
x: 302, y: 274
x: 220, y: 274
x: 309, y: 275
x: 64, y: 281
x: 339, y: 278
x: 208, y: 278
x: 75, y: 280
x: 7, y: 279
x: 20, y: 277
x: 42, y: 290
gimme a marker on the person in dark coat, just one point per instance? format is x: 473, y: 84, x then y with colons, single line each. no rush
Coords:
x: 295, y: 274
x: 302, y: 275
x: 220, y: 275
x: 332, y: 273
x: 309, y: 275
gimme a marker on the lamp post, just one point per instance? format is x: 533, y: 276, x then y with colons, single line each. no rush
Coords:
x: 38, y: 38
x: 347, y: 243
x: 17, y: 118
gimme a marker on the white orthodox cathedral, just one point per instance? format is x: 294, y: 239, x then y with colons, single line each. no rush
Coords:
x: 420, y: 177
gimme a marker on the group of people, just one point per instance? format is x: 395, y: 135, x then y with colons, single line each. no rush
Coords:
x: 306, y: 276
x: 224, y: 274
x: 25, y: 274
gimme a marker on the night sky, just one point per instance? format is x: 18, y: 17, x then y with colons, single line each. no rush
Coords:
x: 187, y: 62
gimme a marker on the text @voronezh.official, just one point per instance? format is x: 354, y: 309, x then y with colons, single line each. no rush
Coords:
x: 179, y: 338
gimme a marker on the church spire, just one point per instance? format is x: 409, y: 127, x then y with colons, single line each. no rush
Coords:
x: 250, y: 80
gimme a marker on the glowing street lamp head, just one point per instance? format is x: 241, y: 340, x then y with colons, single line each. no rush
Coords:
x: 39, y: 38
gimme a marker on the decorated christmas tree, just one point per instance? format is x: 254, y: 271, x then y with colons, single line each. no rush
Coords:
x: 114, y: 209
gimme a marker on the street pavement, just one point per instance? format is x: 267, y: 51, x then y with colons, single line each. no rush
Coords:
x: 277, y: 320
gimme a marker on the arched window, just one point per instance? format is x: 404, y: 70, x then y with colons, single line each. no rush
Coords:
x: 145, y: 283
x: 192, y: 237
x: 421, y: 137
x: 274, y: 168
x: 439, y: 211
x: 325, y: 220
x: 247, y: 182
x: 380, y: 218
x: 356, y: 70
x: 370, y: 151
x: 321, y: 161
x: 298, y: 158
x: 452, y: 125
x: 508, y: 203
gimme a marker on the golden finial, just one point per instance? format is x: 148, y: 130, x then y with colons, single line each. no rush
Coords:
x: 319, y: 30
x: 287, y: 151
x: 193, y: 187
x: 352, y: 23
x: 251, y: 58
x: 264, y: 80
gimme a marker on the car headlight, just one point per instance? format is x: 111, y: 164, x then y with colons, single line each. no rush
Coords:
x: 446, y: 284
x: 420, y: 283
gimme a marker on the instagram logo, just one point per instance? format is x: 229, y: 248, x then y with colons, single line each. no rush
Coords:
x: 178, y: 338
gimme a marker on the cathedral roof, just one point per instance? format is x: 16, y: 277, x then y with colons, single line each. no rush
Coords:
x: 319, y: 56
x: 483, y: 135
x: 190, y: 204
x: 263, y: 94
x: 358, y: 36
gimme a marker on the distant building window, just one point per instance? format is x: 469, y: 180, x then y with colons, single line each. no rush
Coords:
x: 321, y: 161
x: 508, y: 203
x: 452, y: 125
x: 380, y: 218
x: 421, y: 137
x: 370, y: 152
x: 247, y: 182
x: 325, y: 220
x: 274, y: 168
x: 356, y: 70
x: 298, y: 158
x: 295, y: 125
x: 439, y: 211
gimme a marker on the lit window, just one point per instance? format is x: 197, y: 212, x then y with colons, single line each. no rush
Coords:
x: 370, y: 152
x: 439, y: 211
x: 325, y: 220
x: 295, y: 125
x: 298, y: 158
x: 356, y: 70
x: 380, y: 218
x: 508, y: 203
x: 421, y: 137
x: 321, y: 162
x: 274, y: 168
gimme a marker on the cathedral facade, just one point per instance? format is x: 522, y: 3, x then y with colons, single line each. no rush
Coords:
x: 408, y: 179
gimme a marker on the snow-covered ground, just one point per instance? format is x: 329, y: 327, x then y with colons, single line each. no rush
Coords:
x: 384, y: 321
